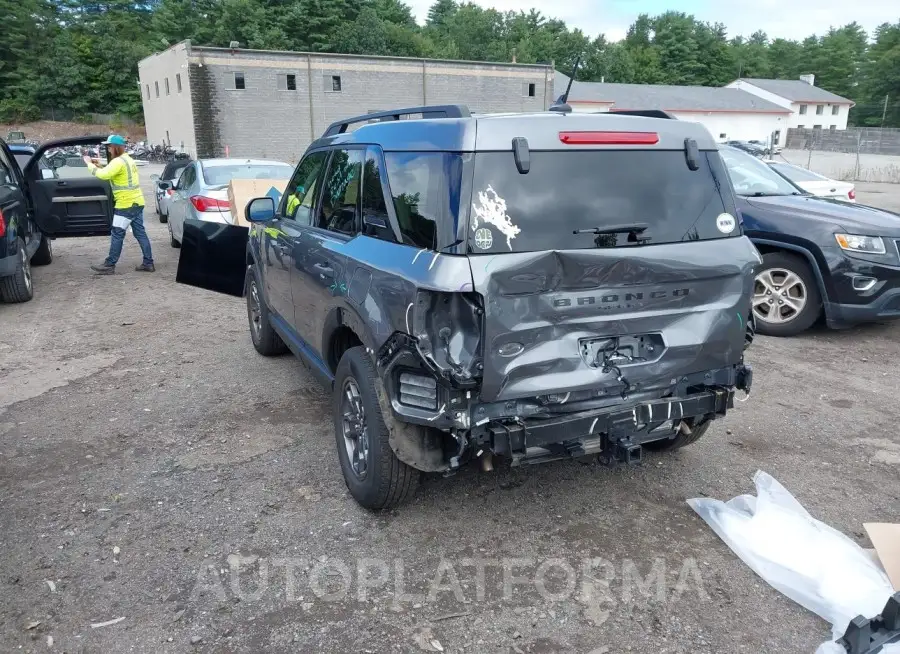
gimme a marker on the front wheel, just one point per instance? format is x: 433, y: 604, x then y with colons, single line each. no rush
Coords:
x: 172, y: 241
x: 375, y: 477
x: 786, y: 298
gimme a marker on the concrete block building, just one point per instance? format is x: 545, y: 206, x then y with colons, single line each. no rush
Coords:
x: 213, y: 102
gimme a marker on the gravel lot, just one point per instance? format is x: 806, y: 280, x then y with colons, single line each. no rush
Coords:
x: 155, y: 468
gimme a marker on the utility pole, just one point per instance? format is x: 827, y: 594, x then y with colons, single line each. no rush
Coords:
x: 884, y: 113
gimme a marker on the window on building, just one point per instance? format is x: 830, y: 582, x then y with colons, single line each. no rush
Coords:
x: 832, y: 127
x: 301, y: 191
x: 802, y: 109
x: 531, y: 89
x: 178, y: 82
x: 820, y: 109
x: 166, y: 80
x: 287, y: 82
x: 801, y: 126
x: 335, y: 82
x: 239, y: 82
x: 835, y: 109
x: 147, y: 88
x: 376, y: 222
x: 340, y: 194
x: 156, y: 88
x: 817, y: 127
x: 723, y: 136
x: 776, y: 137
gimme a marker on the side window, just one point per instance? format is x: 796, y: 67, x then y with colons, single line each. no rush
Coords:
x: 376, y: 222
x: 300, y: 194
x: 340, y: 200
x: 418, y: 186
x: 187, y: 177
x: 6, y: 174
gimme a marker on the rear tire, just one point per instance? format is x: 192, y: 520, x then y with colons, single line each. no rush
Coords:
x: 785, y: 273
x: 384, y: 481
x: 44, y: 254
x: 18, y: 287
x: 265, y: 339
x: 681, y: 439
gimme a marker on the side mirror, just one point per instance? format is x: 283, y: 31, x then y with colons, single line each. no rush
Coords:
x: 165, y: 185
x: 154, y: 177
x: 260, y: 210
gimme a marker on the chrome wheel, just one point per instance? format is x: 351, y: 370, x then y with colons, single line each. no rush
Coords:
x: 26, y: 269
x: 779, y: 296
x: 255, y: 312
x: 354, y: 428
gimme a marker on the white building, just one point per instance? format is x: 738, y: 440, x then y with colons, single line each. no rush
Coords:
x: 729, y: 114
x: 811, y: 107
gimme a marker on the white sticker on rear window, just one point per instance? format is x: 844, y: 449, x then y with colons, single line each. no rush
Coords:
x: 484, y: 239
x: 725, y: 222
x: 491, y: 209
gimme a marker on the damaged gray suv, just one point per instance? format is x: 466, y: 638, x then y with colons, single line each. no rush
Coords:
x: 532, y: 287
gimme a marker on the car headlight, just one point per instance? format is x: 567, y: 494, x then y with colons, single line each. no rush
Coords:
x: 856, y: 243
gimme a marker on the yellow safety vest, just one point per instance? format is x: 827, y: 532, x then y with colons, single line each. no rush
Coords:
x: 122, y: 175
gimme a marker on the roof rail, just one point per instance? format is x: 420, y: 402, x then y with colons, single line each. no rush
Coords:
x: 647, y: 113
x: 435, y: 111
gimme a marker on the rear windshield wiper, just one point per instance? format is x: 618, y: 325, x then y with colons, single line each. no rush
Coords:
x: 636, y: 233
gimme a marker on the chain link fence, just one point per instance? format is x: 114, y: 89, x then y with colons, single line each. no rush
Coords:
x: 859, y: 154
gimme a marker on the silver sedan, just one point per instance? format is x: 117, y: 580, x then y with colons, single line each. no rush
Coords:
x: 201, y: 192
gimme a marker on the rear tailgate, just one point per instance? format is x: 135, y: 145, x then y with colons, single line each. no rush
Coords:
x: 550, y: 316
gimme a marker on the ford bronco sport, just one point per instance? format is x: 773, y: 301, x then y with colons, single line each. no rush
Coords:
x: 533, y: 287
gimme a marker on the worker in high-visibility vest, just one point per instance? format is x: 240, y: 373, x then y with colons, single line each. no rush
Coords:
x: 122, y: 174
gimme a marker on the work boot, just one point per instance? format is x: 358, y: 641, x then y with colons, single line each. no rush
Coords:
x: 146, y: 267
x: 104, y: 269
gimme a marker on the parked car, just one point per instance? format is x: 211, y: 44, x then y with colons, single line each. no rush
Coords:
x: 813, y: 182
x: 533, y: 286
x: 35, y: 207
x: 201, y: 192
x: 749, y: 148
x: 771, y: 149
x: 164, y: 184
x: 821, y: 257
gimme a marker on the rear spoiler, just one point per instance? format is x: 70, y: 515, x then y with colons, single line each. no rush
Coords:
x: 647, y: 113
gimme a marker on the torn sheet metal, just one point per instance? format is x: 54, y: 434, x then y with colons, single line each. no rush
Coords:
x: 816, y: 566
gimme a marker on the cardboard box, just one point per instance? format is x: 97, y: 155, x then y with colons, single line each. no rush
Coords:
x: 885, y: 538
x: 241, y: 191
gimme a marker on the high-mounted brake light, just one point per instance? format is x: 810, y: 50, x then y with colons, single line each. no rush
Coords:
x: 852, y: 194
x: 609, y: 138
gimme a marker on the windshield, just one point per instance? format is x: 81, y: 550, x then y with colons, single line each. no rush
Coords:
x: 752, y: 177
x: 219, y: 175
x: 796, y: 174
x: 591, y: 190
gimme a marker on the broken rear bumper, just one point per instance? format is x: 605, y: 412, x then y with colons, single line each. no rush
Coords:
x: 596, y: 431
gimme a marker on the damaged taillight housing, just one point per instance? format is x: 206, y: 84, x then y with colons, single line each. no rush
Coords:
x: 448, y: 331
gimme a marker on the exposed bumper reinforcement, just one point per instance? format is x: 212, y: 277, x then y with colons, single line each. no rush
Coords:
x: 617, y: 430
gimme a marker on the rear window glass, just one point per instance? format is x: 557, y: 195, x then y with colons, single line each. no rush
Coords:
x: 218, y: 175
x: 798, y: 174
x: 585, y: 190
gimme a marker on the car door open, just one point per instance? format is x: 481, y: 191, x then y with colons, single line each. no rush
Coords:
x: 74, y: 203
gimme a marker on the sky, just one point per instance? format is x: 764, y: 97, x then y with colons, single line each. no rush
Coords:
x: 790, y: 19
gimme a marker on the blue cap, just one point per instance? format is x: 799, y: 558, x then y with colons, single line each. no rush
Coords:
x: 115, y: 139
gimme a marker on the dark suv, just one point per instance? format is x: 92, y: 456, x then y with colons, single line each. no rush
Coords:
x: 531, y: 286
x: 39, y: 202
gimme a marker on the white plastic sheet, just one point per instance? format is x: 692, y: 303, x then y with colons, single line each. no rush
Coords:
x: 814, y: 565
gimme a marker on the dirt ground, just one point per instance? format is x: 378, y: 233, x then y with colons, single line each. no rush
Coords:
x: 45, y: 130
x: 156, y: 472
